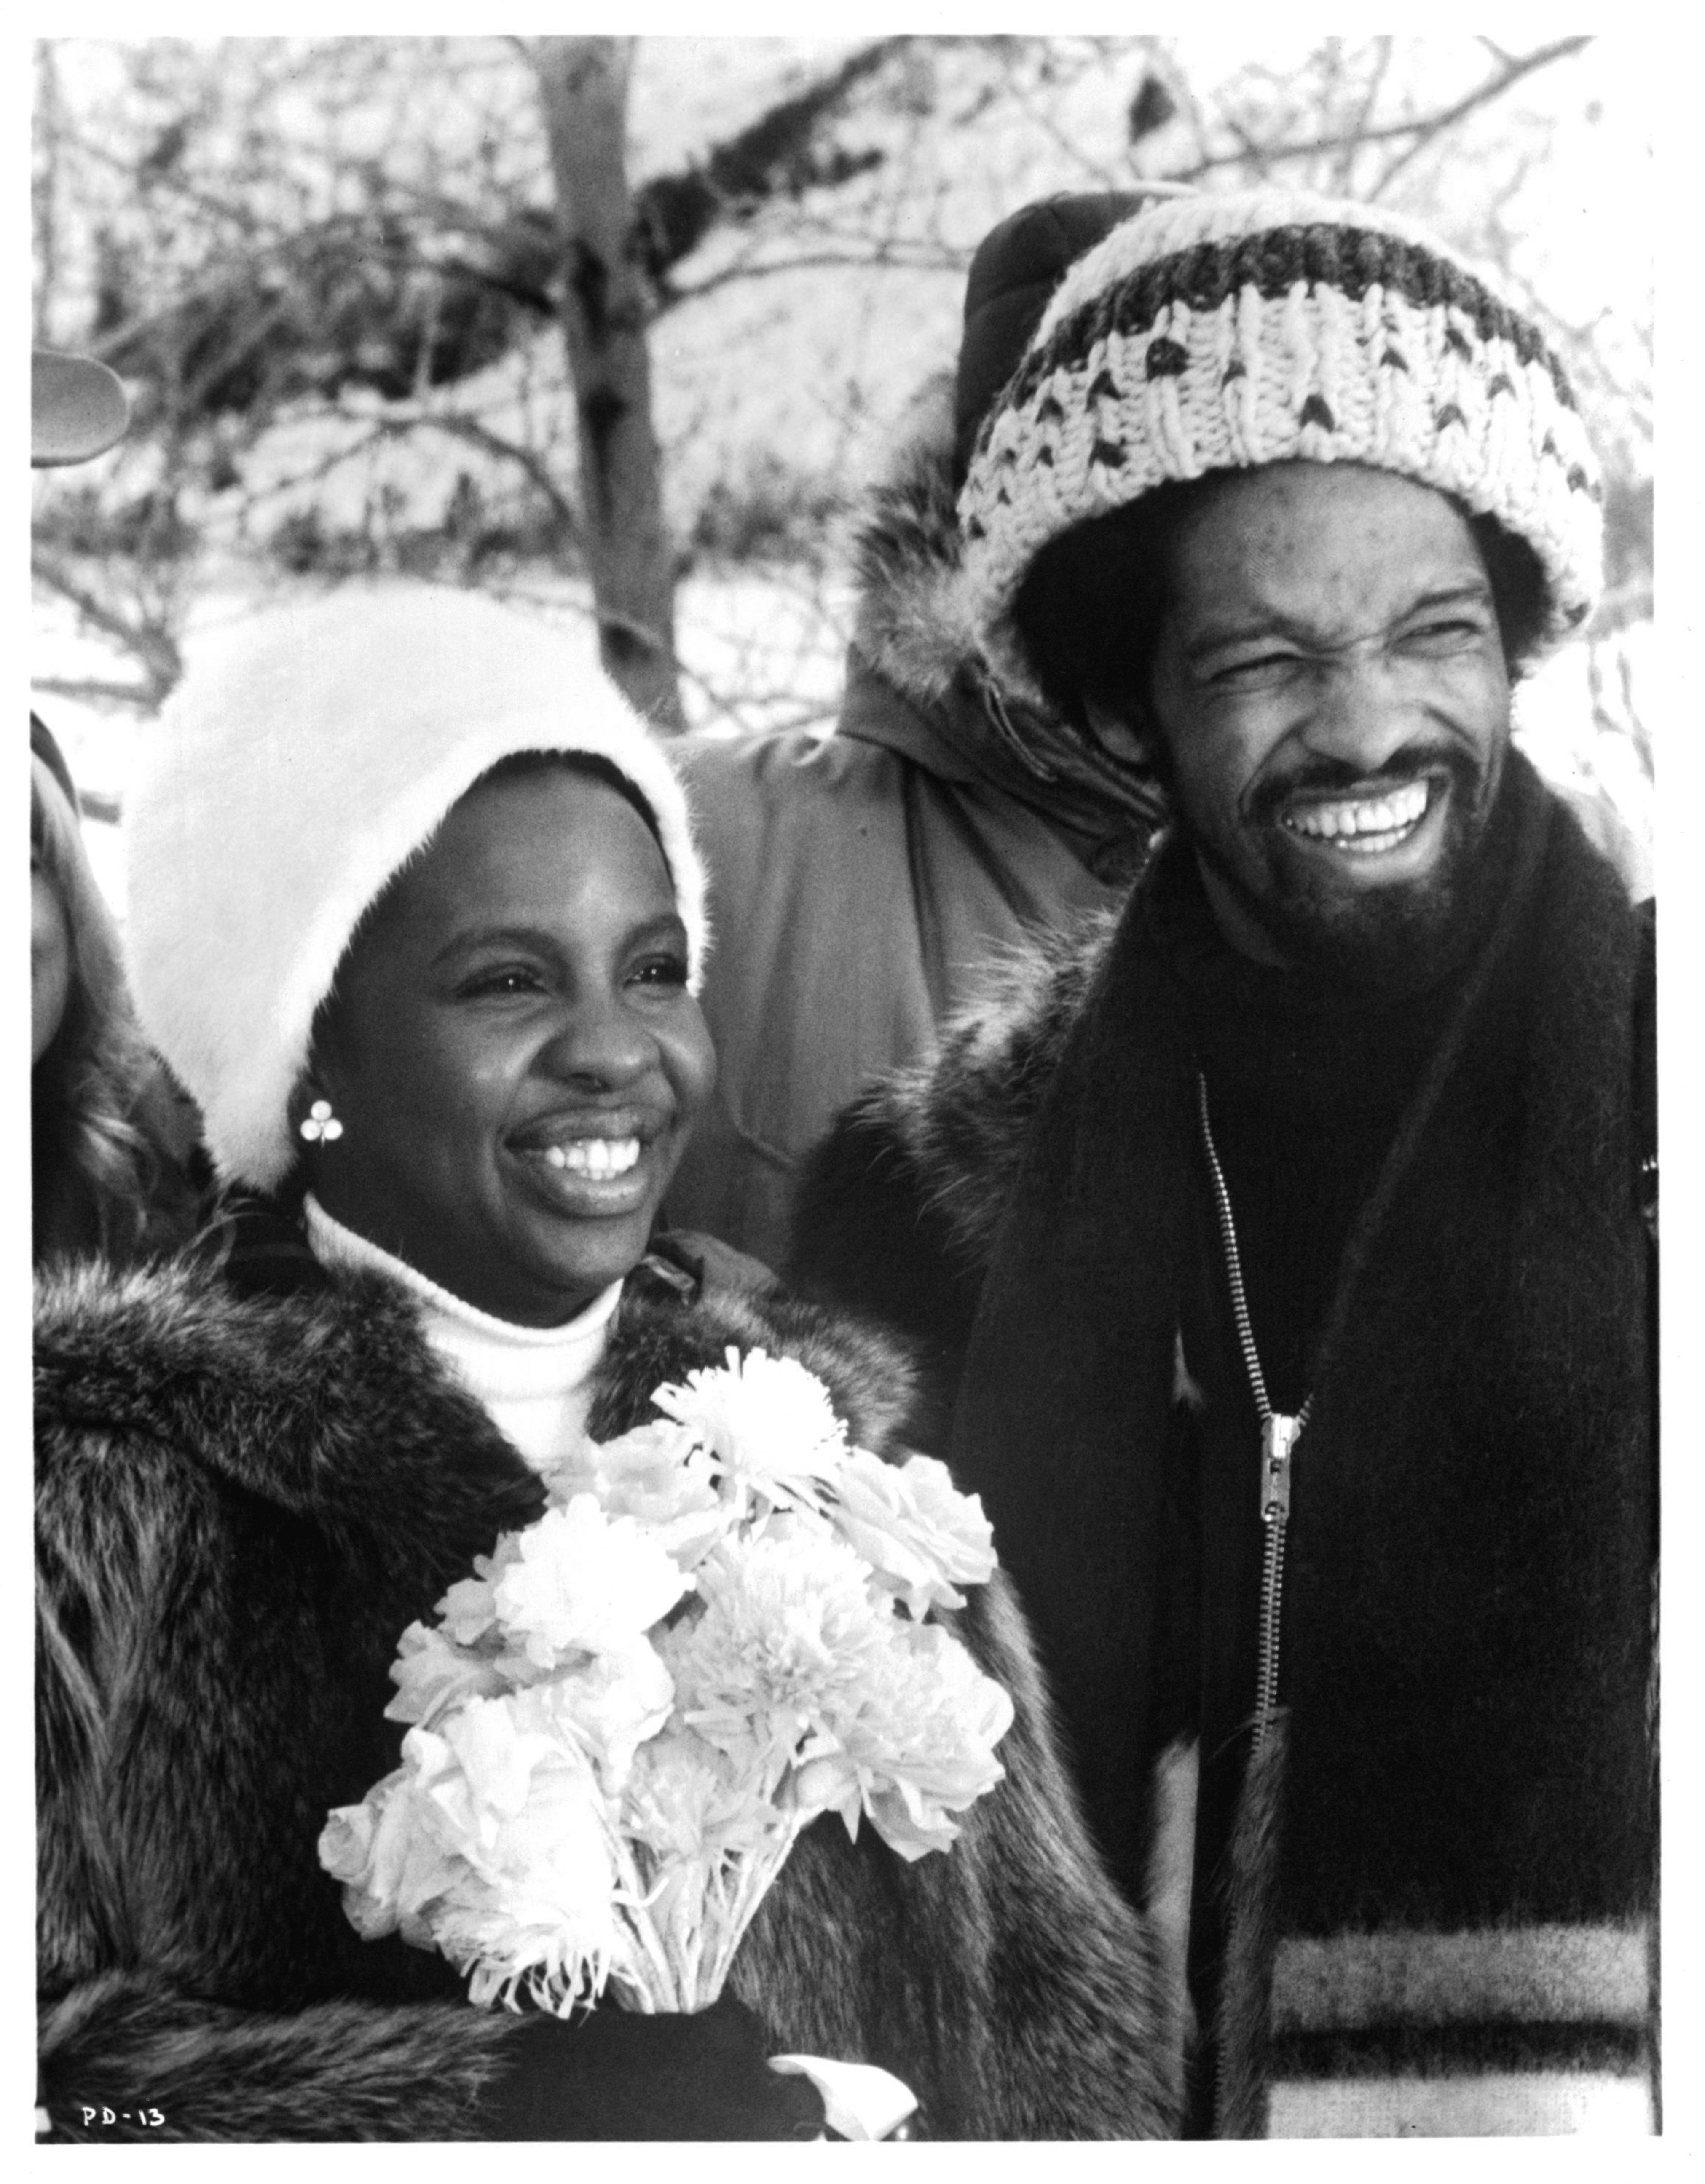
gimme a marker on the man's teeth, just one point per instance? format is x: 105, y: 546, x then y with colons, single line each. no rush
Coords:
x: 595, y: 1156
x: 1370, y: 823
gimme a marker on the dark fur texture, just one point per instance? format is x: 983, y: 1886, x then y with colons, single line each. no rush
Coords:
x: 130, y: 2043
x: 957, y: 1125
x: 898, y: 1208
x: 1251, y: 1928
x: 242, y: 1503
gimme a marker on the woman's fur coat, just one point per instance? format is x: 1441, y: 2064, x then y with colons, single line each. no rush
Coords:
x: 243, y: 1500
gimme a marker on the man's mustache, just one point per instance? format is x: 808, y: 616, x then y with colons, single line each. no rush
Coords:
x: 1334, y: 777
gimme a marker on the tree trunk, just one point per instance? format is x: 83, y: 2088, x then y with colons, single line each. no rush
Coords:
x: 584, y: 91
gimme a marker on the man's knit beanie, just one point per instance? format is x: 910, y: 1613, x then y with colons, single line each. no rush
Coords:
x: 1016, y: 269
x: 1223, y: 331
x: 297, y: 770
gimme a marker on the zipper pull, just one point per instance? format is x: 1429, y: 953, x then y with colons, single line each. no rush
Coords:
x: 1277, y: 1438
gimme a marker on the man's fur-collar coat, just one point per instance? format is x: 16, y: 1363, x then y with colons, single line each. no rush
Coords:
x: 1441, y: 1869
x: 243, y: 1500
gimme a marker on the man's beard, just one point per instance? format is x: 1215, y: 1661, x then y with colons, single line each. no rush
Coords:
x: 1396, y: 938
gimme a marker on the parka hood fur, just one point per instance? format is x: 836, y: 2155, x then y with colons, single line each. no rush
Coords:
x: 912, y: 629
x: 912, y: 624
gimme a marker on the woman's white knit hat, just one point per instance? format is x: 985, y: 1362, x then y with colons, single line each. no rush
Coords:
x: 1223, y: 332
x: 291, y: 775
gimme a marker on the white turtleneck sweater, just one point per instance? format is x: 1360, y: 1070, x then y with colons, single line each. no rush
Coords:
x: 535, y: 1382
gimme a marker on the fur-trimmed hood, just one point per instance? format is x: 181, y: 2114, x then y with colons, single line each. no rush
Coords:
x: 912, y: 622
x: 913, y: 639
x: 243, y: 1500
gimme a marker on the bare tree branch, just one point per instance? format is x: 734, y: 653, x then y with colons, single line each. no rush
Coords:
x: 1370, y: 100
x: 150, y: 643
x: 458, y: 426
x: 338, y: 292
x: 846, y: 260
x: 93, y: 690
x: 1421, y: 129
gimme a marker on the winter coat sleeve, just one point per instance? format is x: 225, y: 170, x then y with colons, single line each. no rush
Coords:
x: 125, y: 2056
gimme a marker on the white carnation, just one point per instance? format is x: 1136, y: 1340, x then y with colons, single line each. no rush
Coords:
x: 582, y: 1583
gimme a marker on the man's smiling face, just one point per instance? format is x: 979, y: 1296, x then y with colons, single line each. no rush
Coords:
x: 1331, y: 687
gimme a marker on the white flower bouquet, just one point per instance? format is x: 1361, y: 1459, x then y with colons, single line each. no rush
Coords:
x: 620, y: 1723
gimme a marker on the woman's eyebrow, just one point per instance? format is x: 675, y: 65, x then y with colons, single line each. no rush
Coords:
x: 537, y: 938
x: 667, y: 925
x: 546, y: 940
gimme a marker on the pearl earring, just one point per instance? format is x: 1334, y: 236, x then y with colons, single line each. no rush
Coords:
x: 320, y: 1121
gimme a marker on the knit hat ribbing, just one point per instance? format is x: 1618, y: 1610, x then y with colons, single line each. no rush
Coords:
x: 1229, y: 331
x: 292, y: 774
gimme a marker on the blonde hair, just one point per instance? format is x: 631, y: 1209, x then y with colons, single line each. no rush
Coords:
x: 95, y: 1163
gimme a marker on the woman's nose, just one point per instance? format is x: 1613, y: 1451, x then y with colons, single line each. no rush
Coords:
x: 599, y: 1041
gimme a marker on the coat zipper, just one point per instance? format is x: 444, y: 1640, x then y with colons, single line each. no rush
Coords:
x: 1278, y: 1438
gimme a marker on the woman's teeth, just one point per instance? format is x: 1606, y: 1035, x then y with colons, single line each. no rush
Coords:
x: 1364, y: 826
x: 595, y: 1156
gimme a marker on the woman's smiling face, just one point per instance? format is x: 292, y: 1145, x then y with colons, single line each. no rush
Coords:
x: 512, y: 1052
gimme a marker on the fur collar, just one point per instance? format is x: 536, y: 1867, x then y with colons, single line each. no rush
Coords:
x: 325, y: 1403
x: 914, y: 637
x: 913, y: 623
x: 951, y: 1129
x: 324, y: 1400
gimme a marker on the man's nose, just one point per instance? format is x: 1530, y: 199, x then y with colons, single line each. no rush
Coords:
x: 1361, y: 713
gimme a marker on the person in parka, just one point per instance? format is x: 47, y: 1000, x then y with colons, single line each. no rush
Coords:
x: 864, y: 880
x: 1282, y: 1245
x: 416, y: 915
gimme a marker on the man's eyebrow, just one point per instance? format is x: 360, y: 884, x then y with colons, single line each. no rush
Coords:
x: 1275, y: 623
